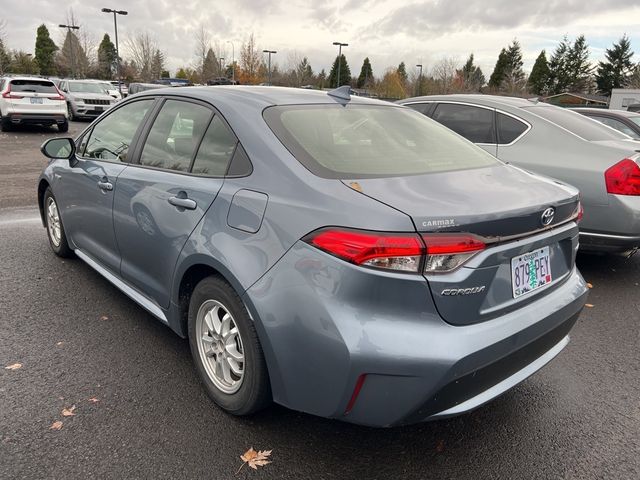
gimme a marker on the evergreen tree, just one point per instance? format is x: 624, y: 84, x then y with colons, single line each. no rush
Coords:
x: 514, y: 78
x: 157, y: 64
x: 72, y: 59
x: 181, y: 73
x: 499, y: 71
x: 470, y: 76
x: 45, y: 51
x: 366, y: 74
x: 345, y: 72
x: 322, y: 79
x: 579, y: 68
x: 106, y: 58
x: 303, y: 72
x: 402, y: 73
x: 558, y: 70
x: 616, y: 71
x: 539, y: 78
x: 210, y: 67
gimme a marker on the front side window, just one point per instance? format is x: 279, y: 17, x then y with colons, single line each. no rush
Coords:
x: 111, y: 138
x: 175, y: 135
x: 473, y: 123
x: 509, y: 129
x: 369, y: 141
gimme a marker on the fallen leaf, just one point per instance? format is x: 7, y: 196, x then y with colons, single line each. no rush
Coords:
x: 440, y: 446
x: 68, y: 412
x: 254, y: 459
x: 14, y: 366
x: 59, y: 343
x: 94, y: 400
x: 588, y: 305
x: 57, y: 425
x: 589, y: 285
x: 104, y: 317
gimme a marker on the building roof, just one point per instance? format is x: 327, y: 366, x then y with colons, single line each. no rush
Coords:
x: 583, y: 96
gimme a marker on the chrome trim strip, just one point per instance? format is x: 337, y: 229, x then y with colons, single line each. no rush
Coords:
x: 607, y: 235
x: 130, y: 292
x: 506, y: 384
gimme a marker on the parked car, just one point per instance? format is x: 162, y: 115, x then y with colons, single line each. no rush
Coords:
x: 342, y: 256
x: 121, y: 87
x: 110, y: 89
x: 85, y: 98
x: 562, y: 144
x: 221, y: 81
x: 142, y: 87
x: 624, y: 121
x: 31, y: 100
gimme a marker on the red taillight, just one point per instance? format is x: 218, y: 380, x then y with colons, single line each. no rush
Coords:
x: 580, y: 213
x: 59, y: 96
x: 448, y: 251
x: 623, y: 178
x: 393, y: 251
x: 13, y: 96
x: 356, y: 392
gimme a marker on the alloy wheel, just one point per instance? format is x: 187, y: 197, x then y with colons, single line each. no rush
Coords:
x: 53, y: 222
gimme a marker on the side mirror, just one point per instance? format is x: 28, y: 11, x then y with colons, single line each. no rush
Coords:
x: 59, y: 148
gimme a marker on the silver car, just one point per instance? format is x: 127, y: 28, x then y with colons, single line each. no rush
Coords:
x: 85, y: 98
x: 600, y: 161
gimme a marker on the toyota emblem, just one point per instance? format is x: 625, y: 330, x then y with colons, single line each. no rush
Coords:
x: 547, y: 216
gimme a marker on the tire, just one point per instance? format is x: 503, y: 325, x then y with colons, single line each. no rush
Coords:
x: 242, y: 394
x: 63, y: 127
x: 55, y: 229
x: 70, y: 114
x: 5, y: 124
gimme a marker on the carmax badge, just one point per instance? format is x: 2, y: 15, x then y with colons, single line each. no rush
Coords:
x: 452, y: 292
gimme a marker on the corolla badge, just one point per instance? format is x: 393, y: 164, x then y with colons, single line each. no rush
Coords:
x: 453, y: 292
x: 547, y: 216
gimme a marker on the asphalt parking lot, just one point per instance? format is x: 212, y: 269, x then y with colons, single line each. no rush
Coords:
x: 141, y: 413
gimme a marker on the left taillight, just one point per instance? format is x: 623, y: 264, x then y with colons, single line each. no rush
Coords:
x: 10, y: 95
x: 389, y: 251
x: 403, y: 252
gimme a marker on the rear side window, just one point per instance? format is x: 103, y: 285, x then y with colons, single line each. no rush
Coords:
x: 368, y: 141
x: 175, y: 136
x: 473, y: 123
x: 111, y: 138
x: 419, y: 107
x: 35, y: 86
x: 215, y: 151
x: 509, y: 129
x: 617, y: 124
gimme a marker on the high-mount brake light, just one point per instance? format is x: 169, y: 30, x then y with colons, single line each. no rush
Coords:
x: 404, y: 252
x: 623, y: 178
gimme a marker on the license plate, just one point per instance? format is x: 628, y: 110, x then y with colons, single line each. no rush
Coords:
x: 530, y: 271
x: 36, y: 100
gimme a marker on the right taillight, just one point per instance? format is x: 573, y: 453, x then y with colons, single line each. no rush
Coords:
x: 623, y: 178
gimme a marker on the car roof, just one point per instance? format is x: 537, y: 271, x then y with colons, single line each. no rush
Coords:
x: 232, y: 95
x: 26, y: 77
x: 479, y: 99
x: 605, y: 111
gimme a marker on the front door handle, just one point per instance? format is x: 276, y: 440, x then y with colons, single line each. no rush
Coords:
x: 183, y: 202
x: 105, y: 185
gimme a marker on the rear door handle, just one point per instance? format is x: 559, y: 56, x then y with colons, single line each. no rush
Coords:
x: 183, y: 203
x: 105, y: 185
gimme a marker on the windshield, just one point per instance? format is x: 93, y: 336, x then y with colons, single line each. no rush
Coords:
x: 365, y: 141
x: 86, y: 87
x: 36, y: 86
x: 580, y: 125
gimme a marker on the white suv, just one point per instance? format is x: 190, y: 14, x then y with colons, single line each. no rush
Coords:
x: 31, y: 100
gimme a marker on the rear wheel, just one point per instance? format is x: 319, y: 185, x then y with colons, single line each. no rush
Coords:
x: 63, y: 127
x: 55, y: 230
x: 5, y: 124
x: 226, y: 350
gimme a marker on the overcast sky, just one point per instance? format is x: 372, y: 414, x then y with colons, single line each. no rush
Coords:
x: 386, y: 31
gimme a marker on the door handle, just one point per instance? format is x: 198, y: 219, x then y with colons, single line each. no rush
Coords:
x: 104, y: 185
x: 183, y: 203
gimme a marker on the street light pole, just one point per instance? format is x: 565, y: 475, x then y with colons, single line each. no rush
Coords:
x: 269, y: 52
x: 69, y: 28
x: 221, y: 60
x: 419, y: 89
x: 340, y: 45
x: 115, y: 24
x: 233, y: 61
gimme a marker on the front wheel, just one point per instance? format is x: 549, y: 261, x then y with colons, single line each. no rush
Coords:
x: 226, y: 350
x: 55, y: 230
x: 70, y: 114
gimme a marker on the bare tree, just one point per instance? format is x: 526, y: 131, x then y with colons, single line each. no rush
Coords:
x: 203, y: 45
x: 444, y: 73
x: 142, y: 49
x: 250, y: 62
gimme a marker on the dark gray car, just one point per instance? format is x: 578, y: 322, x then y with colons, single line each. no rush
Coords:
x: 600, y: 161
x: 340, y: 256
x: 622, y: 120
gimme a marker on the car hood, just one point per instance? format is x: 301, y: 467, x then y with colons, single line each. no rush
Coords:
x: 497, y: 201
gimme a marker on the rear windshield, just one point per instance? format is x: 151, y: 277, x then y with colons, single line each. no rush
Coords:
x: 367, y: 141
x: 86, y: 87
x: 36, y: 86
x: 580, y: 125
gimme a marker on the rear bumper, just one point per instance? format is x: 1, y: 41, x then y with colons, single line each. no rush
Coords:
x: 37, y: 118
x: 605, y: 242
x: 324, y: 323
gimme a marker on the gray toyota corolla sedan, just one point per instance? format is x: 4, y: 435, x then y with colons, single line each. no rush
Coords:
x: 340, y: 256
